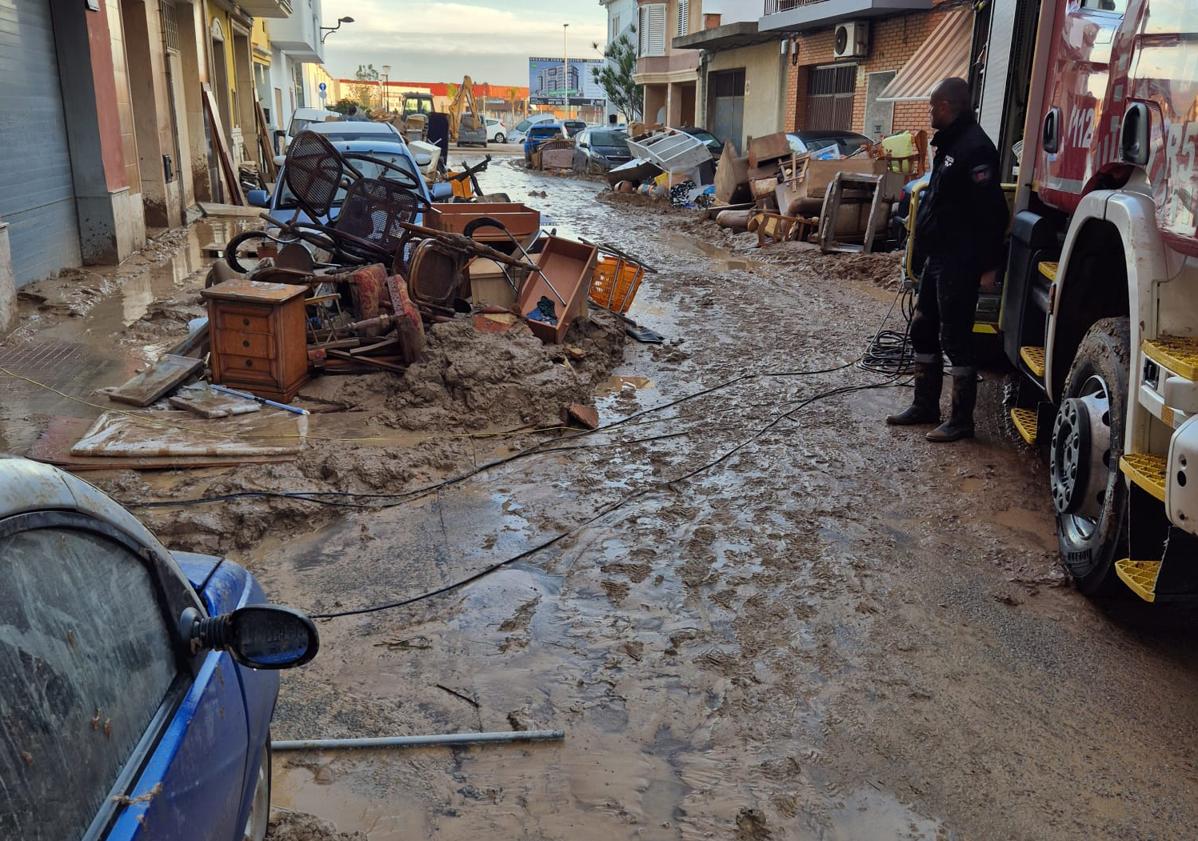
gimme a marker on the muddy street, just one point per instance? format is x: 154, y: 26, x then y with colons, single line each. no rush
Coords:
x: 755, y: 614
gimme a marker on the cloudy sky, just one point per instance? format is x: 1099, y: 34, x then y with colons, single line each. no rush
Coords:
x: 427, y: 41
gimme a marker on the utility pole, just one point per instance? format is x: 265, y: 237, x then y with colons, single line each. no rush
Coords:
x: 566, y: 68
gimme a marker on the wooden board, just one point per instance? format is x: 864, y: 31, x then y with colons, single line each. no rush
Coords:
x: 228, y: 171
x: 731, y: 177
x: 768, y: 148
x: 211, y: 208
x: 265, y: 151
x: 199, y: 399
x: 253, y: 291
x: 53, y: 446
x: 168, y: 373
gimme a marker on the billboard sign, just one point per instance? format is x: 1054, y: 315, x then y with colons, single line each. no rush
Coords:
x: 549, y: 83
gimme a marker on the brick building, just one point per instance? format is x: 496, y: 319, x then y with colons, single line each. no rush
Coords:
x: 871, y: 88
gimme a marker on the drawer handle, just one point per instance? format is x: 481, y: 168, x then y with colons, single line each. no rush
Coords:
x: 249, y: 363
x: 245, y: 342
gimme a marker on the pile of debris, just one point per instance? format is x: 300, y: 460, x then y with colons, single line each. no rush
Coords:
x: 393, y: 286
x: 666, y: 164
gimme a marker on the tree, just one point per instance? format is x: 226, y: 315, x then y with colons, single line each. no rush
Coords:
x: 615, y: 76
x: 345, y: 105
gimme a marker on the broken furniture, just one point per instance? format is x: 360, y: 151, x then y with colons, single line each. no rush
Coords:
x: 616, y: 278
x: 773, y: 227
x: 258, y: 337
x: 167, y: 374
x: 853, y: 188
x: 554, y: 296
x: 670, y: 150
x: 519, y: 220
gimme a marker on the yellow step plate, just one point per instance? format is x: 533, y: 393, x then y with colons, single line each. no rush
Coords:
x: 1140, y: 576
x: 1177, y: 353
x: 1147, y: 471
x: 1033, y: 358
x: 1025, y: 424
x: 1049, y: 270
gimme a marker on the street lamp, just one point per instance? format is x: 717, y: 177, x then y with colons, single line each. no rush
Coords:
x: 328, y: 30
x: 386, y: 78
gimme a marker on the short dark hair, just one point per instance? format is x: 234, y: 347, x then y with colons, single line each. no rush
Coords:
x: 954, y: 91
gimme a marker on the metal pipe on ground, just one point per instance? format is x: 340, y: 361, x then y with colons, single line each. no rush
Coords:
x: 438, y: 740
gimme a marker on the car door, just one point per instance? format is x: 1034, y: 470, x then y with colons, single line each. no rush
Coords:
x: 582, y: 147
x: 103, y: 708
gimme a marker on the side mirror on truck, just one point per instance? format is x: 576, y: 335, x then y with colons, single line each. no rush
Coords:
x: 1052, y: 131
x: 1133, y: 138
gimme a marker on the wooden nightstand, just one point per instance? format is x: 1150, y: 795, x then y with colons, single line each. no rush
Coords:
x: 259, y: 343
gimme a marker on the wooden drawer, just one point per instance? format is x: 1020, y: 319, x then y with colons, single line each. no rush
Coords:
x: 244, y: 319
x: 238, y: 343
x: 245, y: 368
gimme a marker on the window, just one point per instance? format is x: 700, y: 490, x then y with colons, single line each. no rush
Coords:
x: 1116, y: 6
x: 830, y: 97
x: 653, y: 29
x: 684, y: 12
x: 86, y: 660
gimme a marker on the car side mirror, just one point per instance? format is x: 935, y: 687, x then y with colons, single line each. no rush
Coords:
x: 584, y: 145
x: 258, y: 198
x: 261, y: 636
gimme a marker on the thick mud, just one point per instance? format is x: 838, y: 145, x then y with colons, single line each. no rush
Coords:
x: 762, y: 617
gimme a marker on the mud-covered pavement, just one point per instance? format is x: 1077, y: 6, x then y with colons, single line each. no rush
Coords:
x: 780, y: 620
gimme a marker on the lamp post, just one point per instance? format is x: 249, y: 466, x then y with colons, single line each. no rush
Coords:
x: 383, y: 80
x: 566, y: 68
x: 329, y: 30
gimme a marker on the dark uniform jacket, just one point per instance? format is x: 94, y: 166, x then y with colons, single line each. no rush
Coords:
x: 963, y: 212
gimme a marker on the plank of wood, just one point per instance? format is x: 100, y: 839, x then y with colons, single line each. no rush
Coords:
x: 193, y: 344
x: 367, y: 360
x: 389, y: 342
x: 168, y: 373
x: 53, y: 446
x: 211, y: 208
x: 265, y: 152
x: 232, y: 183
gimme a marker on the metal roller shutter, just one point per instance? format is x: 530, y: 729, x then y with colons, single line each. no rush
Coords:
x: 37, y: 196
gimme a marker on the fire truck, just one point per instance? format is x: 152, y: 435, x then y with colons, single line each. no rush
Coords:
x: 1099, y: 303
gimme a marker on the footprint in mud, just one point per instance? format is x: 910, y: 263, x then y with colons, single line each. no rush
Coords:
x: 516, y: 625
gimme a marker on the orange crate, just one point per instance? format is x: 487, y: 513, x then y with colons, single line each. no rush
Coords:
x: 615, y: 282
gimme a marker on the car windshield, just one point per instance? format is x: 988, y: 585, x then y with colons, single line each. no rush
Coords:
x: 368, y: 169
x: 706, y: 136
x: 523, y: 125
x: 612, y: 139
x: 298, y: 125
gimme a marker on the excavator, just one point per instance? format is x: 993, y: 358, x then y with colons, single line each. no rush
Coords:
x: 464, y: 116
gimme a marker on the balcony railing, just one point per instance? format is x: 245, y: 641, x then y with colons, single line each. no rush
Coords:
x: 772, y: 7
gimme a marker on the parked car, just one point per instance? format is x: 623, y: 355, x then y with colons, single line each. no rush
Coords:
x: 351, y: 139
x: 538, y: 134
x: 846, y: 142
x: 472, y: 131
x: 573, y: 127
x: 345, y: 130
x: 599, y: 149
x: 137, y: 684
x: 713, y: 143
x: 496, y: 131
x: 520, y: 133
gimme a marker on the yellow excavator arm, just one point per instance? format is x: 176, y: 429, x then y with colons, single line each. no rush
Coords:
x: 462, y: 104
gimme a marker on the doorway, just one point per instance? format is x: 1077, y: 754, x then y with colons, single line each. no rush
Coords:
x: 726, y: 105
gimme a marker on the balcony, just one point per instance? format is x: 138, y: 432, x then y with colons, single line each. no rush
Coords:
x: 267, y: 8
x: 797, y: 15
x: 298, y: 35
x: 674, y: 67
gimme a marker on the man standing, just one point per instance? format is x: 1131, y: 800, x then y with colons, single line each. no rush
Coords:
x: 959, y: 232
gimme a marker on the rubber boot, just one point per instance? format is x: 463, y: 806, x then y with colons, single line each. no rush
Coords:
x: 925, y: 405
x: 960, y: 420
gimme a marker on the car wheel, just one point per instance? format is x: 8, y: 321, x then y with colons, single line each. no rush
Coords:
x: 1088, y: 491
x: 499, y: 138
x: 256, y: 823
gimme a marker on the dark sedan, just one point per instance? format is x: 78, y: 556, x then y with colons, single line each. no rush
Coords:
x: 600, y: 149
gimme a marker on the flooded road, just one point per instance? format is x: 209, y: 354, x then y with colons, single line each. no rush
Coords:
x: 757, y: 617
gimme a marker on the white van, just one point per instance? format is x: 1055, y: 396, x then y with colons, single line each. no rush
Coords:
x: 521, y: 130
x: 304, y: 117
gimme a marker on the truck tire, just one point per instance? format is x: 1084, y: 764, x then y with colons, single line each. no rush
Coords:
x: 1088, y: 491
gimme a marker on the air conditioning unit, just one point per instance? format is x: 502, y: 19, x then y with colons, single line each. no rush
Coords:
x: 852, y: 40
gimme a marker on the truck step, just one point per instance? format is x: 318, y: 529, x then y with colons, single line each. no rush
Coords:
x: 1140, y: 576
x: 1145, y: 470
x: 1025, y: 424
x: 1178, y: 354
x: 1049, y: 270
x: 1033, y: 358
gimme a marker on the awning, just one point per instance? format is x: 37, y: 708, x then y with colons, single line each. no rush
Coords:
x: 944, y: 54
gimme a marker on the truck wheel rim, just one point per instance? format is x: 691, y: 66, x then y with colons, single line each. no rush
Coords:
x: 1081, y: 462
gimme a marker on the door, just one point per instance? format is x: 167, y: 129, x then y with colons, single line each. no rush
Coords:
x: 37, y: 194
x: 879, y: 116
x: 830, y: 98
x: 726, y: 105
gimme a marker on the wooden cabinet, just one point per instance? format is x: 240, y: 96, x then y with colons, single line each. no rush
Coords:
x: 258, y: 335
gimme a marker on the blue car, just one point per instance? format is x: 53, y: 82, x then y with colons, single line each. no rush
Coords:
x: 136, y: 686
x: 538, y: 134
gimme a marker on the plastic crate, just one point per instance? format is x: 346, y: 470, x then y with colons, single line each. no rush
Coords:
x: 615, y: 282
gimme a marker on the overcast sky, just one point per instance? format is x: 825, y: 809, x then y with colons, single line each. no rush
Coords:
x: 427, y: 41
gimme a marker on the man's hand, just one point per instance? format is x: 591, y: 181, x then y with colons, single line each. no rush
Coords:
x: 989, y: 283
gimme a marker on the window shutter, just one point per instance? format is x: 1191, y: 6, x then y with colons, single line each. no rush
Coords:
x: 657, y: 28
x: 643, y: 31
x: 684, y: 10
